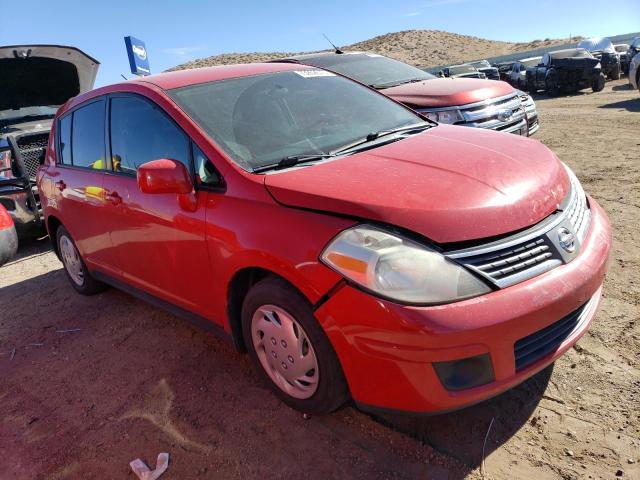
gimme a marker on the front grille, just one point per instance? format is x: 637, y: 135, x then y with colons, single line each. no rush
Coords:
x: 32, y: 149
x: 503, y: 113
x: 538, y: 249
x: 519, y: 262
x: 534, y: 347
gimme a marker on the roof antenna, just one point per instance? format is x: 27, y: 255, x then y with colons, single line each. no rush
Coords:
x: 124, y: 76
x: 337, y: 50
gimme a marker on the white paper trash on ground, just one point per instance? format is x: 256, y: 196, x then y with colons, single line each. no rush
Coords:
x: 142, y: 471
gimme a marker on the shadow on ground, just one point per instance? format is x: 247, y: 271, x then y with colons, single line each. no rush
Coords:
x: 462, y: 434
x: 629, y: 105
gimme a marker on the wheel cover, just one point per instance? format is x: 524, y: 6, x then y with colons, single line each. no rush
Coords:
x: 285, y: 351
x: 71, y: 260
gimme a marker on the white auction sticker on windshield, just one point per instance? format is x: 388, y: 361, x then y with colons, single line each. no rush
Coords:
x: 314, y: 73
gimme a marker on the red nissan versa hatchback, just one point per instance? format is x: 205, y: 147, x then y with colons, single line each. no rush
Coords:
x: 353, y: 248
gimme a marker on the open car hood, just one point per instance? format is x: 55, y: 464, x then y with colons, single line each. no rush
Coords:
x: 39, y: 75
x: 447, y: 92
x: 450, y: 184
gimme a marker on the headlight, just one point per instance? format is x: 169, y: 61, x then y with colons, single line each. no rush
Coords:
x: 444, y: 116
x: 397, y: 268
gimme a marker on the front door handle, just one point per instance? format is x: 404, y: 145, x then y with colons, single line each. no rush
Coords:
x: 114, y: 198
x: 60, y: 185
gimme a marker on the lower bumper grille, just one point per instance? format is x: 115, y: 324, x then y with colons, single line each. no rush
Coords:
x: 534, y: 347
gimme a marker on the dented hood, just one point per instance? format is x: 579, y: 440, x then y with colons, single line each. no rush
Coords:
x: 43, y: 75
x: 447, y: 92
x: 448, y: 183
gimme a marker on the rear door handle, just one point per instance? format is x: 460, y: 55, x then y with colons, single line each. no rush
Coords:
x: 114, y: 198
x: 60, y: 185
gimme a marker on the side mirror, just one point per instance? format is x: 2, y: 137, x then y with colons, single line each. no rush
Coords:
x: 164, y: 176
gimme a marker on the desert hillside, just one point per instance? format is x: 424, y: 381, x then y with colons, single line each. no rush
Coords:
x: 423, y: 48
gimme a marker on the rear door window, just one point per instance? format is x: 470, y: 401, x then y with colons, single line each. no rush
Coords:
x: 141, y: 132
x: 87, y: 136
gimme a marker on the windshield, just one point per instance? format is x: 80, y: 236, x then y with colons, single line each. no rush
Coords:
x: 262, y: 119
x: 531, y: 62
x: 570, y: 53
x: 461, y: 69
x: 26, y: 114
x: 370, y: 69
x: 596, y: 44
x: 621, y: 48
x: 480, y: 64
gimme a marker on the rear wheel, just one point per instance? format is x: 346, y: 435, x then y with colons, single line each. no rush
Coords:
x: 74, y: 266
x: 289, y: 348
x: 598, y: 83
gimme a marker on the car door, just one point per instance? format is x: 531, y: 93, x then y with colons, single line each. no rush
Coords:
x: 159, y: 246
x: 78, y: 178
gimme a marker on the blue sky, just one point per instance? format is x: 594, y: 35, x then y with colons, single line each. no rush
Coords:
x: 178, y: 31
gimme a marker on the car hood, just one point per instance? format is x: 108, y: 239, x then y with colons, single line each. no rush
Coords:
x: 39, y: 75
x: 449, y: 184
x: 447, y: 92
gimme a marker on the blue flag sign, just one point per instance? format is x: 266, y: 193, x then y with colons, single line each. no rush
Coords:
x: 138, y: 59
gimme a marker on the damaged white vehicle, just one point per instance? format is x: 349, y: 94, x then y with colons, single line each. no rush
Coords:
x: 35, y: 81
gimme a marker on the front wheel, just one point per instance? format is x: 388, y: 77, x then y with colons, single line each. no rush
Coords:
x: 552, y: 87
x: 290, y: 349
x: 598, y: 83
x: 615, y: 73
x: 74, y: 266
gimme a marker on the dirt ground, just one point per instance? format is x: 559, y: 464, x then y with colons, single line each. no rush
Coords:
x: 134, y: 381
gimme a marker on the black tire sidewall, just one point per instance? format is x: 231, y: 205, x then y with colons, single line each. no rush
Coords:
x: 332, y: 389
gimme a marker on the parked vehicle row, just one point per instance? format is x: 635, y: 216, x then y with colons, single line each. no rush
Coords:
x: 586, y: 66
x: 355, y: 248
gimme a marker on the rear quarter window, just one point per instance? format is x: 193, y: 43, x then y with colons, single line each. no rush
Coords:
x: 64, y: 134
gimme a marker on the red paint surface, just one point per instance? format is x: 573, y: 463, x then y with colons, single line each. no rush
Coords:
x: 447, y: 92
x: 5, y: 219
x: 449, y: 184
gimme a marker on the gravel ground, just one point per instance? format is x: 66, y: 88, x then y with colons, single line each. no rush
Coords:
x: 133, y: 381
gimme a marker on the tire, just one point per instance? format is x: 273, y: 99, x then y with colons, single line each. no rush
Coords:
x: 598, y: 83
x: 615, y: 72
x: 552, y: 87
x: 74, y: 266
x: 277, y: 323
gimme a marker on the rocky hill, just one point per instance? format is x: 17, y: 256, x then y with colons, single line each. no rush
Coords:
x: 423, y: 48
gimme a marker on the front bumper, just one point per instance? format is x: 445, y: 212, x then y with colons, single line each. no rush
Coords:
x: 387, y: 350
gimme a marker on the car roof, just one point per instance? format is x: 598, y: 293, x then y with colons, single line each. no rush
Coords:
x: 310, y: 56
x: 183, y: 78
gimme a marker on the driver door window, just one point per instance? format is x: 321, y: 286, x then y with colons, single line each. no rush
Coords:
x: 141, y: 132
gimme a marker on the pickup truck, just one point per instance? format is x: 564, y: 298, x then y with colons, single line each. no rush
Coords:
x: 566, y: 71
x: 468, y: 102
x: 517, y: 76
x: 35, y: 81
x: 485, y: 67
x: 603, y: 50
x: 462, y: 71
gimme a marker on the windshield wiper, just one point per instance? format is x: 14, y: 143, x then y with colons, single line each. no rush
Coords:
x: 381, y: 133
x: 292, y: 160
x: 395, y: 83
